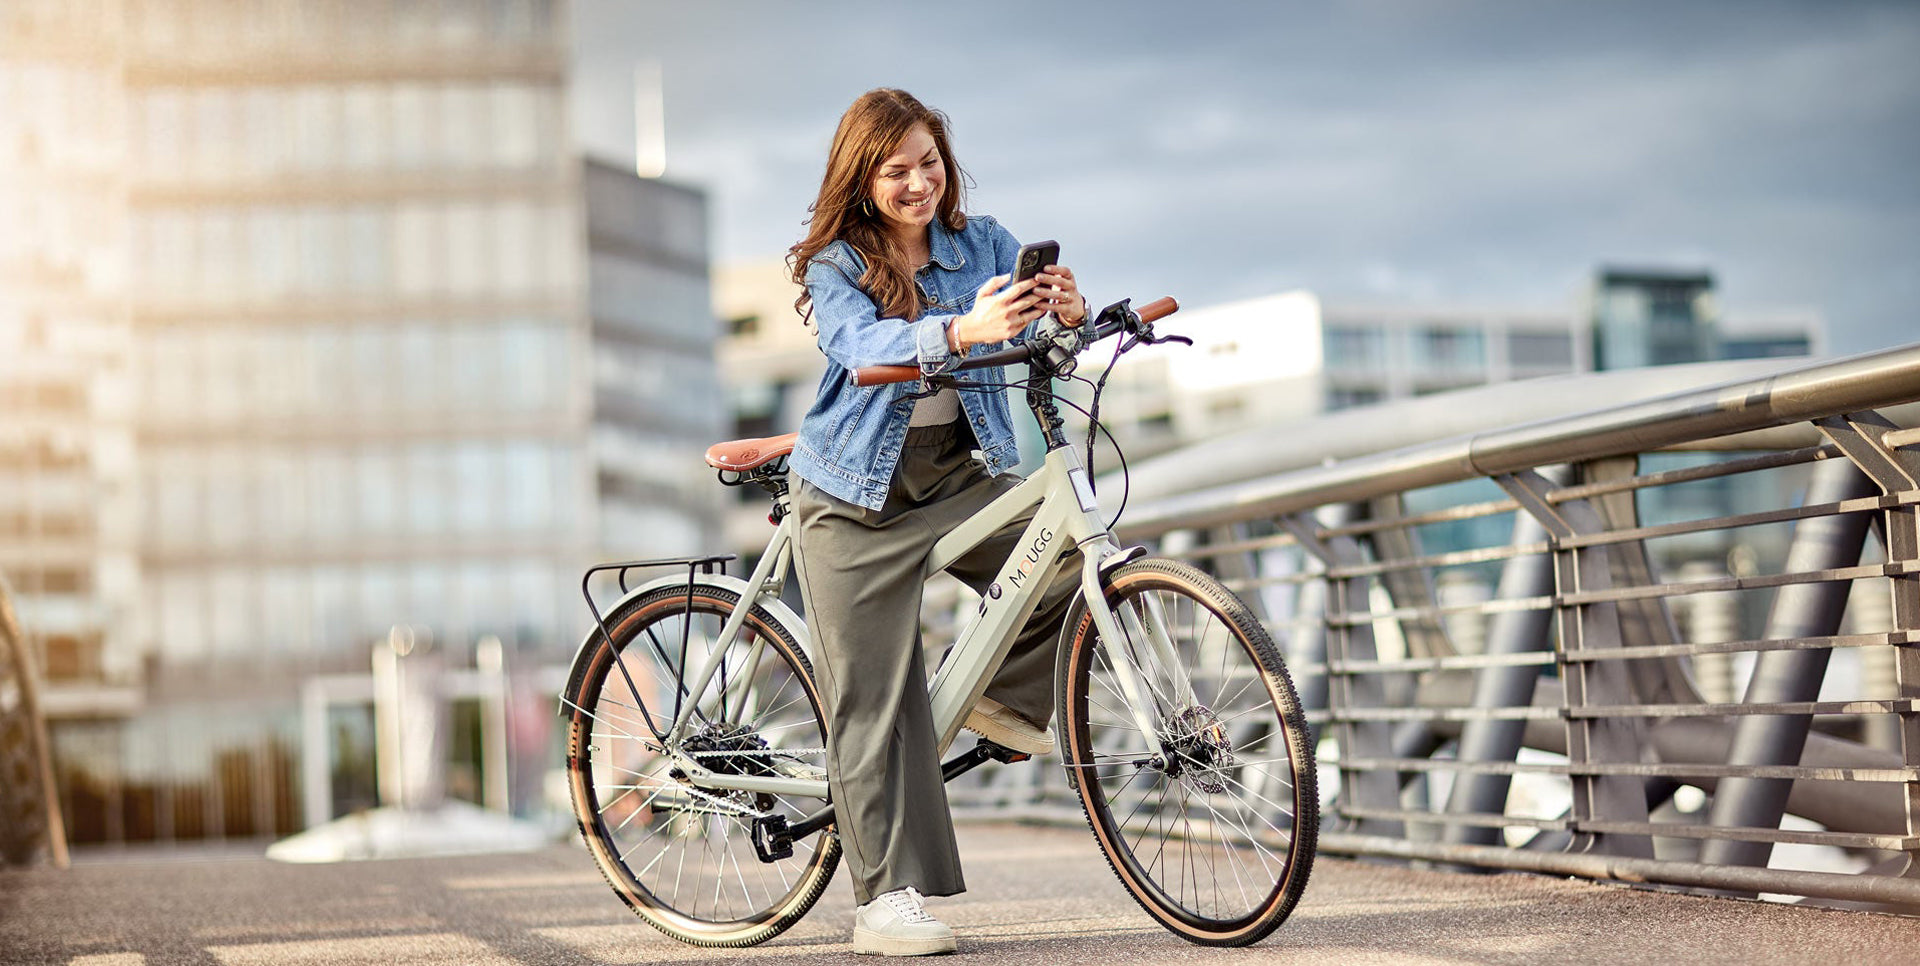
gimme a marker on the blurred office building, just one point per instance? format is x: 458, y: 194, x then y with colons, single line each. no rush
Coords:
x: 1655, y: 317
x: 1644, y: 317
x: 314, y: 324
x: 1379, y: 353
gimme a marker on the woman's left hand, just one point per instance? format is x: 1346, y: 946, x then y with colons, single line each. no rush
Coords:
x: 1060, y: 294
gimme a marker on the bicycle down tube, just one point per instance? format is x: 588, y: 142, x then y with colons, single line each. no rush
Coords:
x: 1058, y: 523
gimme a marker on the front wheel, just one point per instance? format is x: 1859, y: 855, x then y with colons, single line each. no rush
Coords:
x: 1213, y: 831
x: 682, y: 856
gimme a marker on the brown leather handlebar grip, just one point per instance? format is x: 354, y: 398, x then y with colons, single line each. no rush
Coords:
x: 879, y: 375
x: 1157, y: 309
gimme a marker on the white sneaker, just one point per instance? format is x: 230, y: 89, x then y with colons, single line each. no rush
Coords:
x: 897, y: 924
x: 999, y: 724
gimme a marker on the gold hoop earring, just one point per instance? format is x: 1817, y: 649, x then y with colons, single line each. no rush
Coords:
x: 866, y: 207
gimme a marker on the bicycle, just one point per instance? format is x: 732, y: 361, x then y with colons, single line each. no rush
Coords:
x: 707, y: 807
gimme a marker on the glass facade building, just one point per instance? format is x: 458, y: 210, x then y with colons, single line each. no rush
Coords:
x: 374, y: 348
x: 1644, y: 317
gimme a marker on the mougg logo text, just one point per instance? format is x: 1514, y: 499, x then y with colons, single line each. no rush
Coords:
x: 1025, y: 568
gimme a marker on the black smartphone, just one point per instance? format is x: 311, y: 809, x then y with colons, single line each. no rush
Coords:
x: 1033, y: 257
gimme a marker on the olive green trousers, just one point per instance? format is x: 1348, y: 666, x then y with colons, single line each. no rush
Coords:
x: 861, y: 574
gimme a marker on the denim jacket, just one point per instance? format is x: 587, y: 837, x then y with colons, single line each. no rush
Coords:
x: 850, y: 440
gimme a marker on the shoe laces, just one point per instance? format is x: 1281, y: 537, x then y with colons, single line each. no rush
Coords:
x: 907, y: 903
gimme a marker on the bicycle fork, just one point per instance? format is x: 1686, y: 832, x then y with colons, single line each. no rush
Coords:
x: 1150, y: 633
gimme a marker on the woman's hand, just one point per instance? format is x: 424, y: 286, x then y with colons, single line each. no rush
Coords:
x: 998, y: 313
x: 1060, y: 295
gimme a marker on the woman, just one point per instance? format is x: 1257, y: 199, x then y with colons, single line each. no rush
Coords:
x: 894, y: 270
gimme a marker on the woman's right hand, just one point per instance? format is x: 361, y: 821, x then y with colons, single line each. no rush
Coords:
x: 998, y: 314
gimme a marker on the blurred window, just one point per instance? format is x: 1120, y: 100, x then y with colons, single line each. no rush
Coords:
x: 428, y: 482
x: 378, y: 473
x: 417, y: 252
x: 532, y: 585
x: 475, y: 473
x: 316, y: 128
x: 319, y: 230
x: 283, y: 497
x: 465, y: 244
x: 1451, y: 347
x: 263, y: 131
x: 372, y: 383
x: 521, y: 262
x: 1348, y: 398
x: 330, y: 478
x: 531, y: 370
x: 229, y: 497
x: 365, y: 130
x: 1538, y: 349
x: 287, y: 596
x: 380, y: 598
x: 182, y: 615
x: 215, y: 134
x: 472, y: 366
x: 529, y: 486
x: 270, y: 252
x: 1354, y: 348
x: 369, y: 248
x: 162, y: 114
x: 464, y: 130
x: 234, y: 618
x: 514, y: 130
x: 416, y: 375
x: 413, y: 126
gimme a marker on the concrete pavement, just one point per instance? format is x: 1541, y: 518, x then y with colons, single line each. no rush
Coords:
x: 1039, y: 897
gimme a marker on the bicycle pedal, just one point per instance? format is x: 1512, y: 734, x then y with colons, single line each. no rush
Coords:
x: 772, y: 838
x: 1001, y: 753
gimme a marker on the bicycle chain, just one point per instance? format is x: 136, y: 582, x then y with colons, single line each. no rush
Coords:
x: 783, y: 752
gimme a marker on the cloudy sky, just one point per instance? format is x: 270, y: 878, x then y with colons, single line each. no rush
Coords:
x: 1385, y: 151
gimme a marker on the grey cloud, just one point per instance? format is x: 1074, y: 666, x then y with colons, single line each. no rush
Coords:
x: 1470, y: 151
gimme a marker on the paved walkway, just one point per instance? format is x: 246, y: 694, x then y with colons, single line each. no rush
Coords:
x: 1040, y: 897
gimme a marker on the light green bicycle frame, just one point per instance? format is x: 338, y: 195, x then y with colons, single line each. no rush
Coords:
x: 1067, y: 517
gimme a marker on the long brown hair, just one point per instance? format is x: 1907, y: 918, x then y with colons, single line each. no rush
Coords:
x: 870, y: 131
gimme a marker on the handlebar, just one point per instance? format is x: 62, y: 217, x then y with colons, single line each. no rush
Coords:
x: 1127, y: 318
x: 880, y: 375
x: 1157, y: 309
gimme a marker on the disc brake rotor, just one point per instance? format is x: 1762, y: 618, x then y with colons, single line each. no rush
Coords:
x: 1199, y: 749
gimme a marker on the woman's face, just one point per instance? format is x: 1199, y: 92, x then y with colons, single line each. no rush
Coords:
x: 907, y: 187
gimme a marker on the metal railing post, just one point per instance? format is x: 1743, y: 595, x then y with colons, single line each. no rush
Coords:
x: 1349, y: 639
x: 1867, y: 438
x: 1496, y: 739
x: 1799, y: 610
x: 1588, y: 627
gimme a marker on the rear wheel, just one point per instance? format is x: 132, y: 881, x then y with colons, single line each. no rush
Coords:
x: 682, y: 857
x: 1214, y: 835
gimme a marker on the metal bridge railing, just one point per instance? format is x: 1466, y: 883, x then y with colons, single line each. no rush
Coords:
x: 30, y: 821
x: 1667, y: 641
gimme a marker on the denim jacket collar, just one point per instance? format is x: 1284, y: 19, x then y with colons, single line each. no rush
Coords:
x: 944, y: 247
